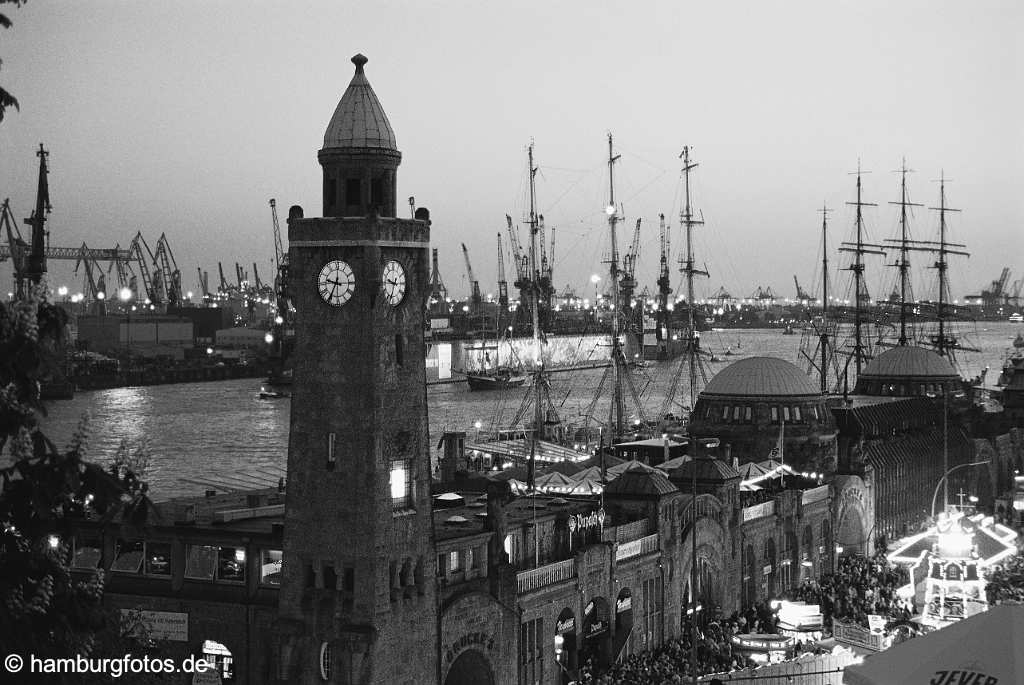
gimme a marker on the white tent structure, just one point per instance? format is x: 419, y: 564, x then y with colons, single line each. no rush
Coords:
x: 987, y: 649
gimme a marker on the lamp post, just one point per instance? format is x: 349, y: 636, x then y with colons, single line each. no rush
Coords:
x: 125, y: 294
x: 945, y: 446
x: 943, y: 479
x: 706, y: 443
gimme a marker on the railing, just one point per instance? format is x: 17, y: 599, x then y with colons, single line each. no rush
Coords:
x: 814, y: 494
x: 635, y: 548
x: 627, y: 531
x: 527, y: 581
x: 758, y: 511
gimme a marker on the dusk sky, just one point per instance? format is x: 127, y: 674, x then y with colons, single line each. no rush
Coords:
x: 185, y: 117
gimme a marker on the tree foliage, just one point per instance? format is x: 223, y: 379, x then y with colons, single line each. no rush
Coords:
x: 6, y: 99
x: 44, y: 609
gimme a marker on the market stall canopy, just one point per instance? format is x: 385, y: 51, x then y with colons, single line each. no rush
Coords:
x: 616, y: 471
x: 987, y: 649
x: 519, y: 450
x: 555, y: 482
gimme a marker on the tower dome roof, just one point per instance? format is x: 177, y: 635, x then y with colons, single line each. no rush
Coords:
x: 359, y: 120
x: 909, y: 362
x: 760, y: 377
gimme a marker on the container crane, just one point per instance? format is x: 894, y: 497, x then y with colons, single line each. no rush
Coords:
x: 280, y: 257
x: 256, y: 278
x: 474, y: 284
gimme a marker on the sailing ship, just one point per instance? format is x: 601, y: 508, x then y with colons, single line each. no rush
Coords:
x: 497, y: 377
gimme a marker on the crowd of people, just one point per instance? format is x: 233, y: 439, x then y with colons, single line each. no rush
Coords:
x: 1006, y: 583
x: 860, y: 586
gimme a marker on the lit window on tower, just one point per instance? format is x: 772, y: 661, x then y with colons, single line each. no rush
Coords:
x: 401, y: 485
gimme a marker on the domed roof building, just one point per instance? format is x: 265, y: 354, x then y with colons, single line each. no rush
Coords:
x: 752, y: 402
x: 907, y: 371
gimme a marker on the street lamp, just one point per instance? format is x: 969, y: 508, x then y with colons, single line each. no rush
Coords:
x: 943, y: 480
x: 707, y: 443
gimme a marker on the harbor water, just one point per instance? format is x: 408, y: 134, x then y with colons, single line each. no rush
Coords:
x: 201, y: 432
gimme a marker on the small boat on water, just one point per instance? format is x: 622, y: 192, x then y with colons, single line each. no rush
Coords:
x: 271, y: 394
x: 495, y: 379
x: 1017, y: 317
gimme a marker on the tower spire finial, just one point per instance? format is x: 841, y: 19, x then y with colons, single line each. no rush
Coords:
x: 359, y: 60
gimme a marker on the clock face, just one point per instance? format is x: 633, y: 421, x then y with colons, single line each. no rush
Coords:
x: 336, y: 282
x: 393, y: 282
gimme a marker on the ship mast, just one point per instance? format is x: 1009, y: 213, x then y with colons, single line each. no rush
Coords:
x: 615, y: 421
x: 823, y: 335
x: 861, y: 297
x: 534, y: 286
x: 693, y: 340
x: 944, y: 344
x: 904, y: 242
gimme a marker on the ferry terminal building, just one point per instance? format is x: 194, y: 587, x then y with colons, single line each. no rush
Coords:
x: 354, y: 573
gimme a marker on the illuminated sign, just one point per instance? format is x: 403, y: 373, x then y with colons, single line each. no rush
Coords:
x: 624, y: 604
x: 566, y: 626
x: 594, y: 519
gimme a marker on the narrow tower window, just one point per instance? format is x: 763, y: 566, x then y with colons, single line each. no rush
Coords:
x: 401, y: 485
x: 399, y: 352
x: 331, y: 458
x: 352, y: 192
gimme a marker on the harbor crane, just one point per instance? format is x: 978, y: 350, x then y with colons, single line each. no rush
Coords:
x: 438, y: 300
x: 474, y: 284
x: 520, y: 260
x: 223, y: 288
x: 168, y: 269
x: 204, y: 284
x: 627, y: 282
x: 96, y: 288
x: 143, y: 256
x: 664, y: 287
x: 997, y: 293
x: 29, y: 257
x: 502, y: 283
x: 801, y: 294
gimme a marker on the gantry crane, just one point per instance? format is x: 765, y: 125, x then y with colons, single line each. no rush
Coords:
x: 170, y: 274
x: 204, y: 284
x: 223, y: 288
x: 474, y: 297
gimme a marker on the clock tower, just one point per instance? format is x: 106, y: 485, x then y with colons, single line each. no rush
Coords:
x: 357, y: 601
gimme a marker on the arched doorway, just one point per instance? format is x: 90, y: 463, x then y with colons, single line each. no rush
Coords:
x: 596, y: 629
x: 470, y: 668
x: 851, y: 538
x: 566, y: 653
